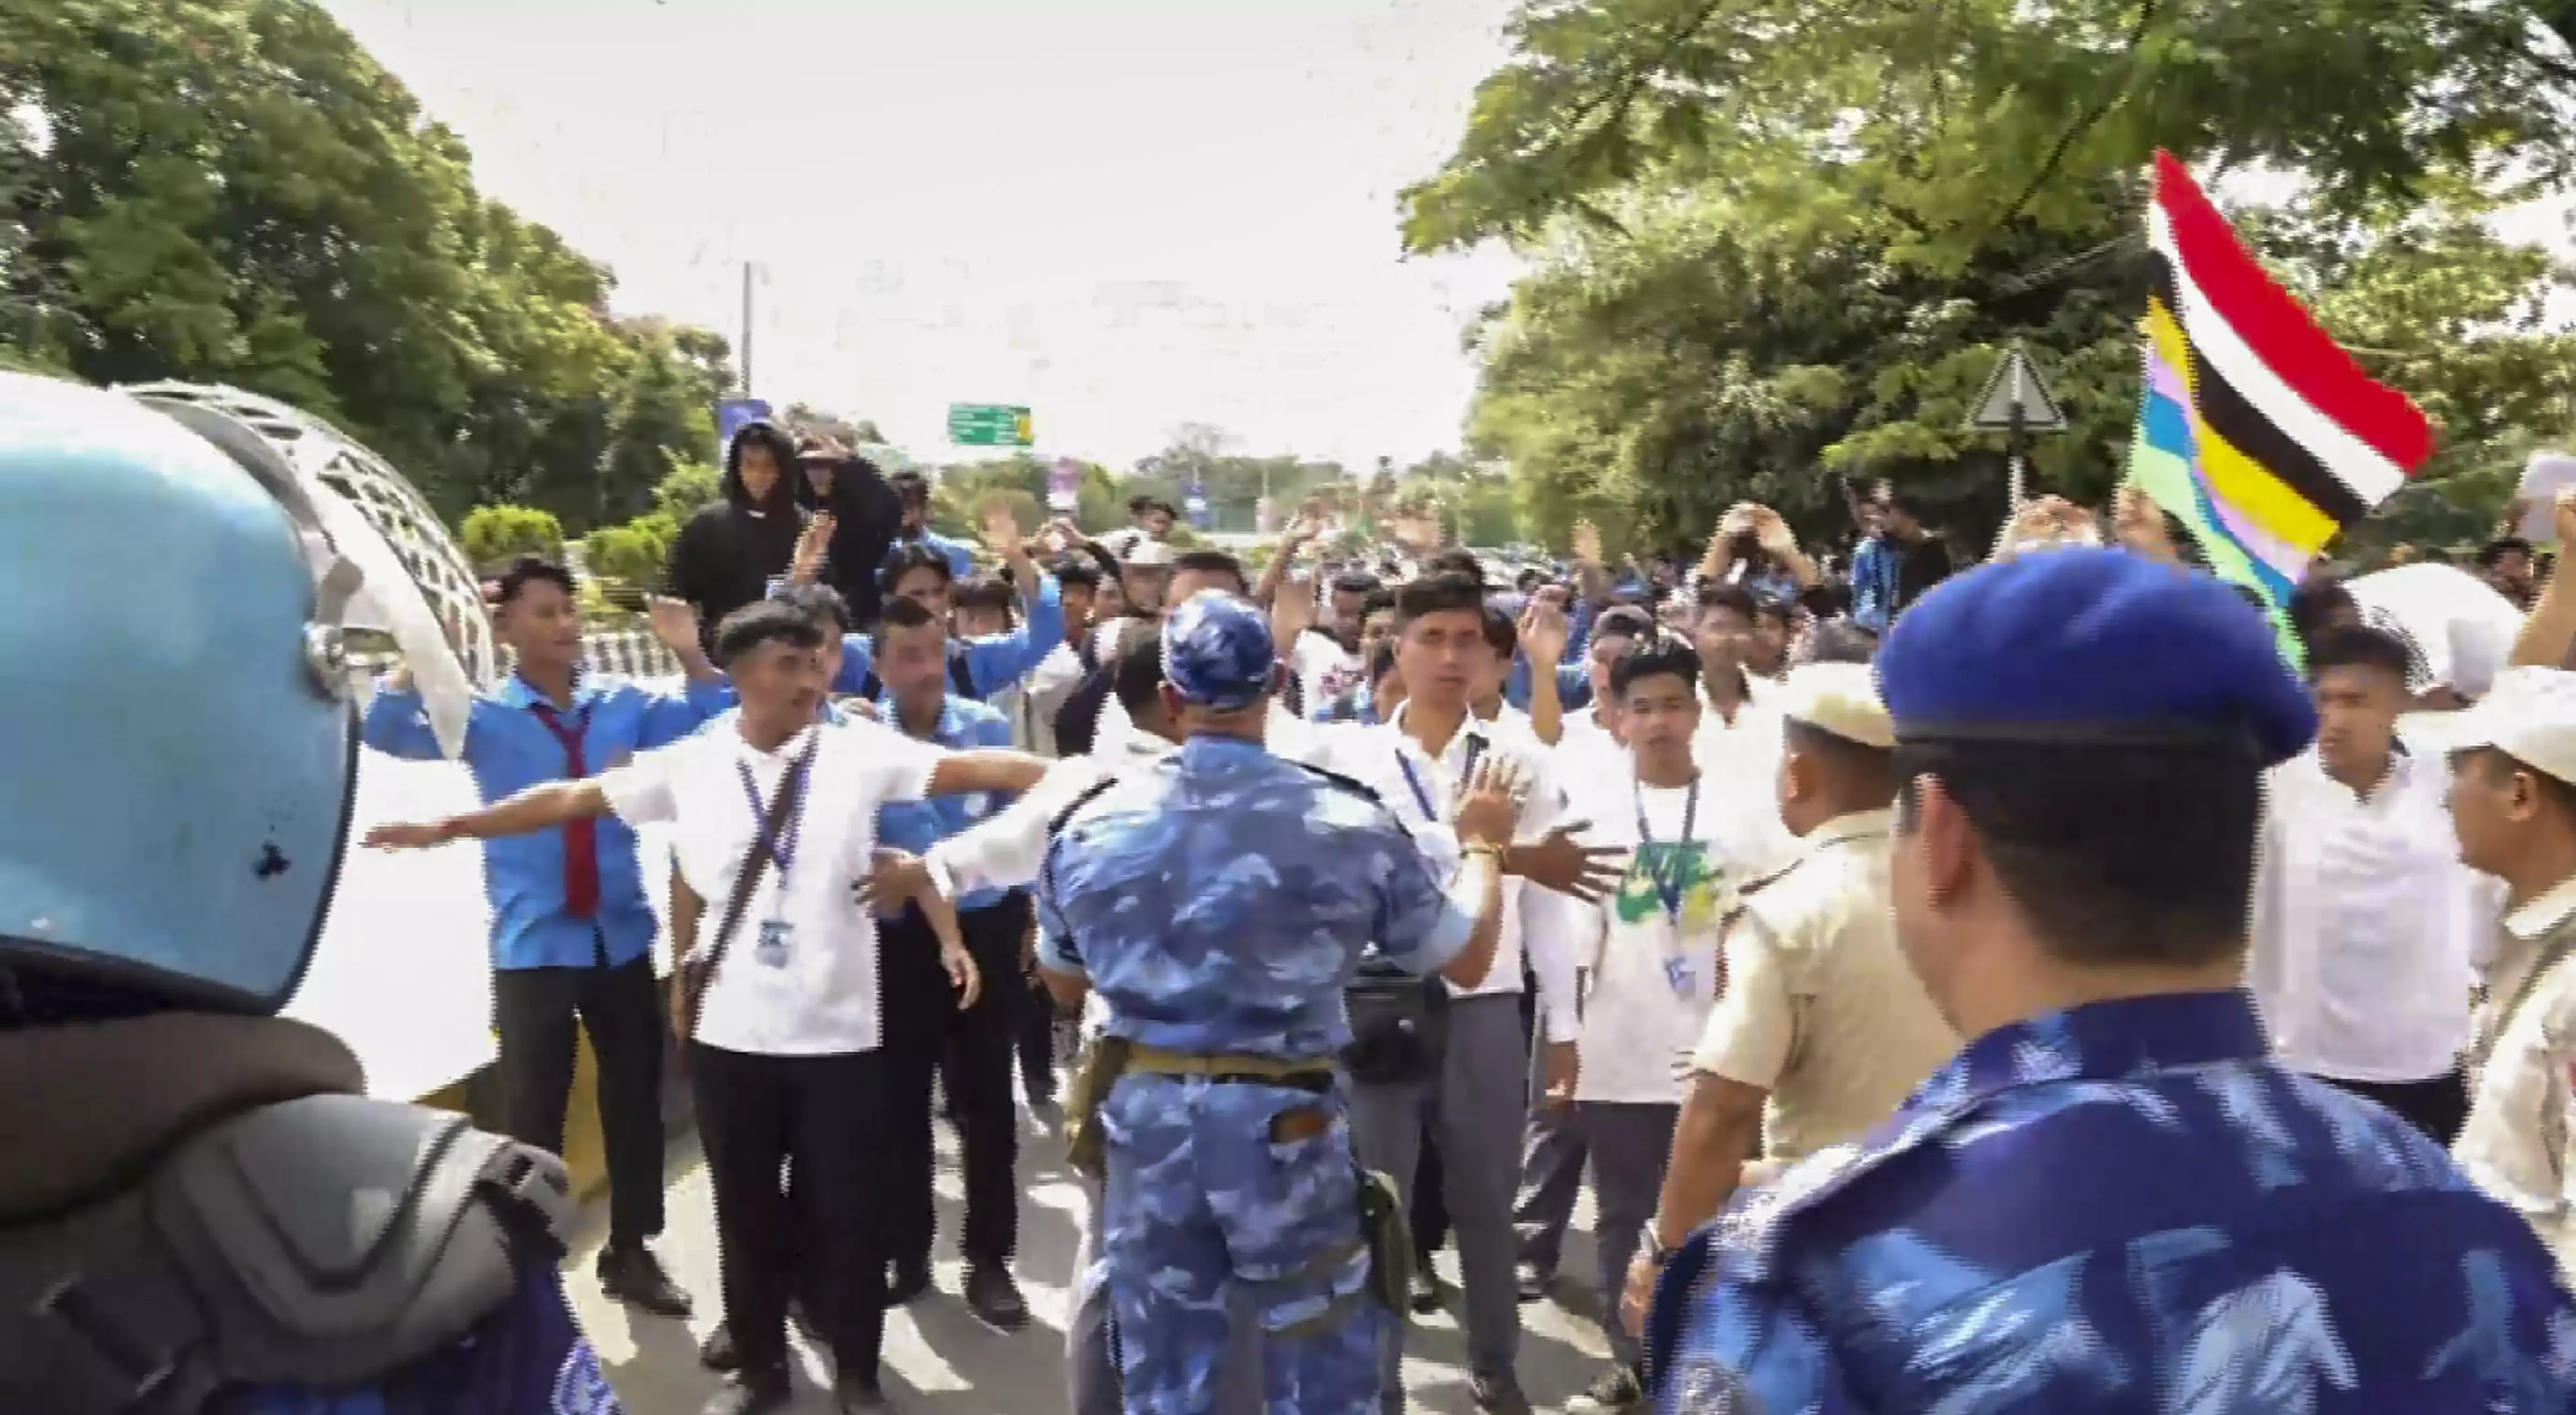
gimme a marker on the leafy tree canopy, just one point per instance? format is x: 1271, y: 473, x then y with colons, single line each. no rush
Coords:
x: 233, y: 191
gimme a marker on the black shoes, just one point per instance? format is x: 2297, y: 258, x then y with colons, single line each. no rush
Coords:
x: 1532, y: 1283
x: 716, y: 1353
x: 751, y: 1393
x: 859, y: 1395
x: 992, y: 1295
x: 910, y: 1281
x: 629, y: 1273
x: 1614, y: 1389
x: 1498, y: 1395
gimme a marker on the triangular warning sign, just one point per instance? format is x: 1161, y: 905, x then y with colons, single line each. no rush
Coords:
x: 2015, y: 386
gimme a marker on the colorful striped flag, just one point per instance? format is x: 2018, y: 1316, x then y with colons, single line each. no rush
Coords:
x: 2255, y: 429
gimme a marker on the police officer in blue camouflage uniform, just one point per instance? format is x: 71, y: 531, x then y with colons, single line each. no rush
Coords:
x: 200, y: 1211
x: 1219, y: 901
x: 2111, y: 1199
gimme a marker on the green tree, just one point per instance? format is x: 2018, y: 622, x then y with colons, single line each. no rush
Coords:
x: 234, y: 191
x: 1960, y: 120
x: 493, y: 535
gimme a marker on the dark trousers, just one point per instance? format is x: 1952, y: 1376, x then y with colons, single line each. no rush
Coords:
x: 2438, y: 1106
x: 971, y: 1052
x: 1036, y: 1040
x: 823, y: 1117
x: 540, y: 1014
x: 1429, y: 1218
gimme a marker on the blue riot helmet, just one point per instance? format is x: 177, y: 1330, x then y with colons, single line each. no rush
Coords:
x: 180, y: 748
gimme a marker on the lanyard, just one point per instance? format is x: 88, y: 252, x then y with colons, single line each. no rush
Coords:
x: 781, y: 845
x: 1665, y: 867
x: 1421, y: 793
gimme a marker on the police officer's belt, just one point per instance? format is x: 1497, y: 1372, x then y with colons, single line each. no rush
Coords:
x: 1315, y: 1076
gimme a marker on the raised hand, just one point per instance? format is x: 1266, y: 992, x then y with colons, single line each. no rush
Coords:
x: 1543, y: 631
x: 1587, y: 543
x: 1489, y: 805
x: 674, y: 621
x: 1564, y: 864
x: 1002, y: 532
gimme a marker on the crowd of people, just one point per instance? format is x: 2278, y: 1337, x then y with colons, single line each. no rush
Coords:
x: 1706, y: 989
x: 1960, y: 986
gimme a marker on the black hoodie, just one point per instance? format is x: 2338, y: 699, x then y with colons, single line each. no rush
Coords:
x: 731, y: 549
x: 867, y: 515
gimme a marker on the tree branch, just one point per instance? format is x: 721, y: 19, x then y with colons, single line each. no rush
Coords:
x: 2083, y: 124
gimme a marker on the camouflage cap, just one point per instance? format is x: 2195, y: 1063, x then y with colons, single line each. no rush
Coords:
x: 1217, y: 651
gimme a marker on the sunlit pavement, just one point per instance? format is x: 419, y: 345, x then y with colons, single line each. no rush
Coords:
x: 941, y: 1361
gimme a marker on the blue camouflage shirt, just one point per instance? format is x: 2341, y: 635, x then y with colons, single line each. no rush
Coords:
x: 2123, y: 1207
x: 1219, y: 901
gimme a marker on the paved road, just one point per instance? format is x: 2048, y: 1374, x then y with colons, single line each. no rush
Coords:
x: 944, y: 1362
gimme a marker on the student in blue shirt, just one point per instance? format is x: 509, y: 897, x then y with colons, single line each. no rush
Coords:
x: 974, y: 1048
x: 914, y: 493
x: 572, y: 935
x: 978, y: 667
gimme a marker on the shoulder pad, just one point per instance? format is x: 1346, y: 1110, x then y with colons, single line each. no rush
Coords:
x: 1343, y: 782
x: 319, y: 1243
x: 1073, y: 807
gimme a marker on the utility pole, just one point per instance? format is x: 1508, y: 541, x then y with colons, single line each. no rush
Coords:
x: 747, y: 269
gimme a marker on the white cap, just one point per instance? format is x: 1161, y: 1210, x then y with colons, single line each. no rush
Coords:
x: 2529, y: 715
x: 1147, y: 554
x: 1840, y: 698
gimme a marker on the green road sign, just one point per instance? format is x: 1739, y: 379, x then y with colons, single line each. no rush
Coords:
x: 988, y: 425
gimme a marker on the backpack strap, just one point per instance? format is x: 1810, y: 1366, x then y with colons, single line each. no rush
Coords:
x: 961, y: 674
x: 319, y: 1243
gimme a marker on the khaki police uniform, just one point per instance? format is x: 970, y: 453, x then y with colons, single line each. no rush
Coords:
x: 2522, y: 1073
x: 1820, y: 1008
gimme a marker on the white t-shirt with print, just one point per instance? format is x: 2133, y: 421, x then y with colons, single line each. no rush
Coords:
x: 1653, y: 978
x: 818, y: 995
x: 1325, y: 670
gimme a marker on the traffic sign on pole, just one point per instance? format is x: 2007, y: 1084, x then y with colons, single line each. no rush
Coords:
x: 989, y: 425
x: 2016, y: 404
x: 2015, y: 398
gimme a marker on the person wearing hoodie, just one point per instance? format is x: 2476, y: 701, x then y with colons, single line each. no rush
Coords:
x: 866, y: 514
x: 732, y: 550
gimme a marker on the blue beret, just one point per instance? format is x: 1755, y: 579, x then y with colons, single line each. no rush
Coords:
x: 1217, y: 651
x: 2080, y: 645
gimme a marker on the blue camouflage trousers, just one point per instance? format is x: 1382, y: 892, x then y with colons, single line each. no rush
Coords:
x: 1213, y: 1185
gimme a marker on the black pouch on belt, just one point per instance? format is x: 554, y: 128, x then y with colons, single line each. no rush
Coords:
x: 1399, y: 1025
x: 1389, y: 1235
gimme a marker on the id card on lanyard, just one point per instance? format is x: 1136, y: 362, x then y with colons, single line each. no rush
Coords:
x: 1422, y: 793
x: 775, y: 932
x: 1667, y: 868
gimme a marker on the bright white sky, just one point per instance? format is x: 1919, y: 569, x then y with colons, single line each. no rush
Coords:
x: 1126, y: 214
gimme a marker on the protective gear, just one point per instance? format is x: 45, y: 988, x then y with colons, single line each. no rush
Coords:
x: 194, y: 756
x: 253, y: 1255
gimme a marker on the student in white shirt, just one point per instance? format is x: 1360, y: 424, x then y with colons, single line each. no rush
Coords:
x: 2363, y: 913
x: 1739, y: 740
x: 785, y: 1062
x: 1591, y: 737
x: 1653, y: 963
x: 1417, y: 763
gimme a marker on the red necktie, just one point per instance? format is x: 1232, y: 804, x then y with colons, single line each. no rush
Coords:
x: 581, y: 837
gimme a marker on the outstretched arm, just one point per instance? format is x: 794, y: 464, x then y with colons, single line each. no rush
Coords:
x: 540, y: 807
x: 990, y: 769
